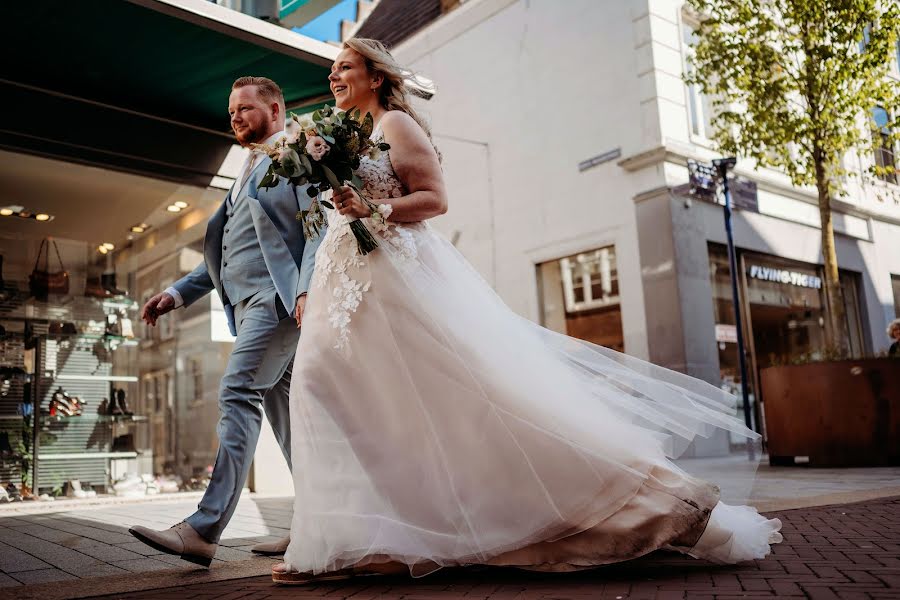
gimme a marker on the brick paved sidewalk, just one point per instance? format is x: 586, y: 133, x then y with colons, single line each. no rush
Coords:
x: 844, y: 552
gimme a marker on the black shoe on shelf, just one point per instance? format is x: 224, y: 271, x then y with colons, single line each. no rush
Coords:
x: 121, y: 403
x: 5, y: 446
x: 114, y: 409
x: 108, y: 281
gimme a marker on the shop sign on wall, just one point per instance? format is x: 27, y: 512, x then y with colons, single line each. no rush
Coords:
x: 785, y: 276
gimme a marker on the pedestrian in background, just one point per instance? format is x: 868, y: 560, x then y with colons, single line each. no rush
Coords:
x: 893, y: 332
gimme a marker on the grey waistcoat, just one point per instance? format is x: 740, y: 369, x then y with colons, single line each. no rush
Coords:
x: 244, y: 270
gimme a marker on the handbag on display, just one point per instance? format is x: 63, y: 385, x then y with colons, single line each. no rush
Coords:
x: 41, y: 283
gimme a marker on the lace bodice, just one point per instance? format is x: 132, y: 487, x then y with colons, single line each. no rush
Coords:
x: 340, y: 268
x: 381, y: 182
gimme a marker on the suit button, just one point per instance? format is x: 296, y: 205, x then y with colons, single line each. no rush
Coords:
x: 226, y: 230
x: 224, y: 264
x: 224, y: 247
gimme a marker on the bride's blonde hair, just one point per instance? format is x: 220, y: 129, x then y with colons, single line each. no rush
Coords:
x: 393, y: 93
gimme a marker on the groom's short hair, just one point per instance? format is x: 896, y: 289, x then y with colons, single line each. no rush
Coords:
x: 267, y: 89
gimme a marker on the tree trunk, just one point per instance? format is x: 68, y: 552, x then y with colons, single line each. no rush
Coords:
x: 835, y: 332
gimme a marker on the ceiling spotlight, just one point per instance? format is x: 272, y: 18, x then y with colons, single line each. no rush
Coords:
x: 102, y: 250
x: 180, y: 204
x: 42, y: 217
x: 173, y: 209
x: 6, y: 212
x: 109, y: 246
x: 140, y: 228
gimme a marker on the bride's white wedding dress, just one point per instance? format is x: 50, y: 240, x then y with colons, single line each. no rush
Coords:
x: 433, y: 426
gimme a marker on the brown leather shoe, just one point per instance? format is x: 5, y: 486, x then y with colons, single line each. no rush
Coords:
x: 275, y: 548
x: 181, y: 540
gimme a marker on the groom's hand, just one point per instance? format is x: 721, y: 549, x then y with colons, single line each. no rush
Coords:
x: 157, y: 306
x: 298, y: 312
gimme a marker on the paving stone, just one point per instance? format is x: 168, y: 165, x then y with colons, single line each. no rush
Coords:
x: 142, y: 565
x: 13, y: 560
x: 139, y: 548
x: 53, y: 554
x: 7, y: 581
x: 43, y: 576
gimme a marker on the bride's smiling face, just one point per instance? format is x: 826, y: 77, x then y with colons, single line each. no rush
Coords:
x: 351, y: 83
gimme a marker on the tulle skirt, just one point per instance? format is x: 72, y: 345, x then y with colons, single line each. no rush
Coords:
x: 433, y: 426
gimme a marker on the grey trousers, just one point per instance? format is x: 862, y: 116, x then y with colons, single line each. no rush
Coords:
x: 258, y: 376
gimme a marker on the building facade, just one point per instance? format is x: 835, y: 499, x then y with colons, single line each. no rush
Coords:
x: 566, y: 131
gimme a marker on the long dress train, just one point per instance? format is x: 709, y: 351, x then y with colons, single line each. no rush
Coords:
x: 433, y: 426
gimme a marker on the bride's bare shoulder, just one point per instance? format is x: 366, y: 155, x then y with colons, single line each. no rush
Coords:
x: 398, y: 122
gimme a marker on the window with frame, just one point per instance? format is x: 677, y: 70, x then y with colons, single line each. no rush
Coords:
x: 884, y: 148
x: 579, y: 296
x: 700, y: 107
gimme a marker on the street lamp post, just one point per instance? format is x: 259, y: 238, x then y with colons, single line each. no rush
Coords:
x: 722, y: 165
x: 704, y: 181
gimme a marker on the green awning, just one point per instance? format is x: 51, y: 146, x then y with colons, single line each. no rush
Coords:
x: 142, y: 85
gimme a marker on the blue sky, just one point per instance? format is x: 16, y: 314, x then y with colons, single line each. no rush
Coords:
x: 327, y: 26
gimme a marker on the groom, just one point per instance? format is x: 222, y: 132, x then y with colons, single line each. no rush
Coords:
x: 258, y: 261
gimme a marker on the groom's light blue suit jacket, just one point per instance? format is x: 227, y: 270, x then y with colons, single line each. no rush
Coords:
x: 289, y: 258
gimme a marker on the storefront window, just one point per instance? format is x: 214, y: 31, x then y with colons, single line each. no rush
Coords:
x: 785, y: 302
x: 580, y: 297
x: 784, y: 311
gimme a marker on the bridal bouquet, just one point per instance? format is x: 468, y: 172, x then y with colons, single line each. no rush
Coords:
x: 324, y: 150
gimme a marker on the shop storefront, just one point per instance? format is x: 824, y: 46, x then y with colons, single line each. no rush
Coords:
x: 784, y: 309
x: 88, y: 395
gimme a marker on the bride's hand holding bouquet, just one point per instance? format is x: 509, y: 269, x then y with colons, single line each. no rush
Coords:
x: 323, y: 150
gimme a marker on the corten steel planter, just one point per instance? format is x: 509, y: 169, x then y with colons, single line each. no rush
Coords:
x: 838, y: 414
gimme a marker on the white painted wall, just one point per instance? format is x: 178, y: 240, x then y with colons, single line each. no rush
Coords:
x: 527, y: 90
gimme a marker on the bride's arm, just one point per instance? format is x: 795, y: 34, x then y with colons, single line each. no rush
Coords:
x: 416, y: 164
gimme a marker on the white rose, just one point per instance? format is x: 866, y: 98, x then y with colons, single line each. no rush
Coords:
x: 306, y: 123
x: 292, y: 131
x: 316, y: 147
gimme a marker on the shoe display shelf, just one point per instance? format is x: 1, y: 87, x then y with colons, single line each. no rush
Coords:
x: 77, y: 397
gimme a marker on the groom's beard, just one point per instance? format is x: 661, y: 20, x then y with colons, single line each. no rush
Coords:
x: 250, y: 136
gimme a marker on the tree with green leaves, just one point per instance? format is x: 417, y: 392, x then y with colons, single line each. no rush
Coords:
x: 797, y: 85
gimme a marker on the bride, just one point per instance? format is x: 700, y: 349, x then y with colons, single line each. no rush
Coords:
x: 434, y: 427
